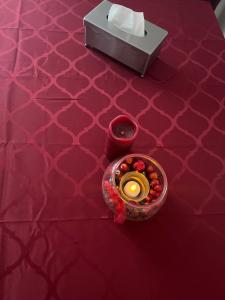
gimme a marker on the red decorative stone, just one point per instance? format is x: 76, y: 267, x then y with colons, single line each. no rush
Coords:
x: 150, y: 169
x: 129, y: 160
x: 149, y: 198
x: 158, y: 188
x: 153, y: 175
x: 139, y: 166
x: 124, y: 167
x: 154, y: 182
x: 153, y: 193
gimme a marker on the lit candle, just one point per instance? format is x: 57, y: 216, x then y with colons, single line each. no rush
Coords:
x: 134, y: 186
x: 132, y: 189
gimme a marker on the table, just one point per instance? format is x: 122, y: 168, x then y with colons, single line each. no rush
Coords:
x: 58, y: 239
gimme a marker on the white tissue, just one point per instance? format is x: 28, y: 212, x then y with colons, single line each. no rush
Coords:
x: 127, y: 20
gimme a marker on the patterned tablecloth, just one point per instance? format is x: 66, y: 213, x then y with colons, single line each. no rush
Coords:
x: 57, y: 237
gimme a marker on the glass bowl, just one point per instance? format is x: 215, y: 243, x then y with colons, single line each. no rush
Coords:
x: 148, y: 174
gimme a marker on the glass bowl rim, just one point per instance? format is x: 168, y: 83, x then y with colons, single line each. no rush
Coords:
x: 155, y: 163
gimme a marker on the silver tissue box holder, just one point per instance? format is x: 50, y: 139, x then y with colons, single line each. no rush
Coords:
x: 135, y: 52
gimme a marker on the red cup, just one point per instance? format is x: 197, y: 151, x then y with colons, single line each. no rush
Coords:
x: 121, y: 135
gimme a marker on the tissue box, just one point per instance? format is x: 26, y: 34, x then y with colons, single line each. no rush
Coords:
x: 135, y: 52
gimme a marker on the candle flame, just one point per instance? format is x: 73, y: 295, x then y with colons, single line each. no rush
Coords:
x: 133, y: 187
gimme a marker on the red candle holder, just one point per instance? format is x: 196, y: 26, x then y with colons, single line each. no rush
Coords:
x: 121, y: 135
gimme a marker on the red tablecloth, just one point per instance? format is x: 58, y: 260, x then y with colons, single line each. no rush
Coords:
x: 58, y: 240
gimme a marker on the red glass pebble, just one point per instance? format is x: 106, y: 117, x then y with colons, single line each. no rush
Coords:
x: 153, y: 193
x: 150, y: 169
x: 139, y: 165
x: 158, y: 188
x: 124, y: 167
x: 129, y: 160
x: 154, y: 182
x: 153, y: 175
x: 149, y: 198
